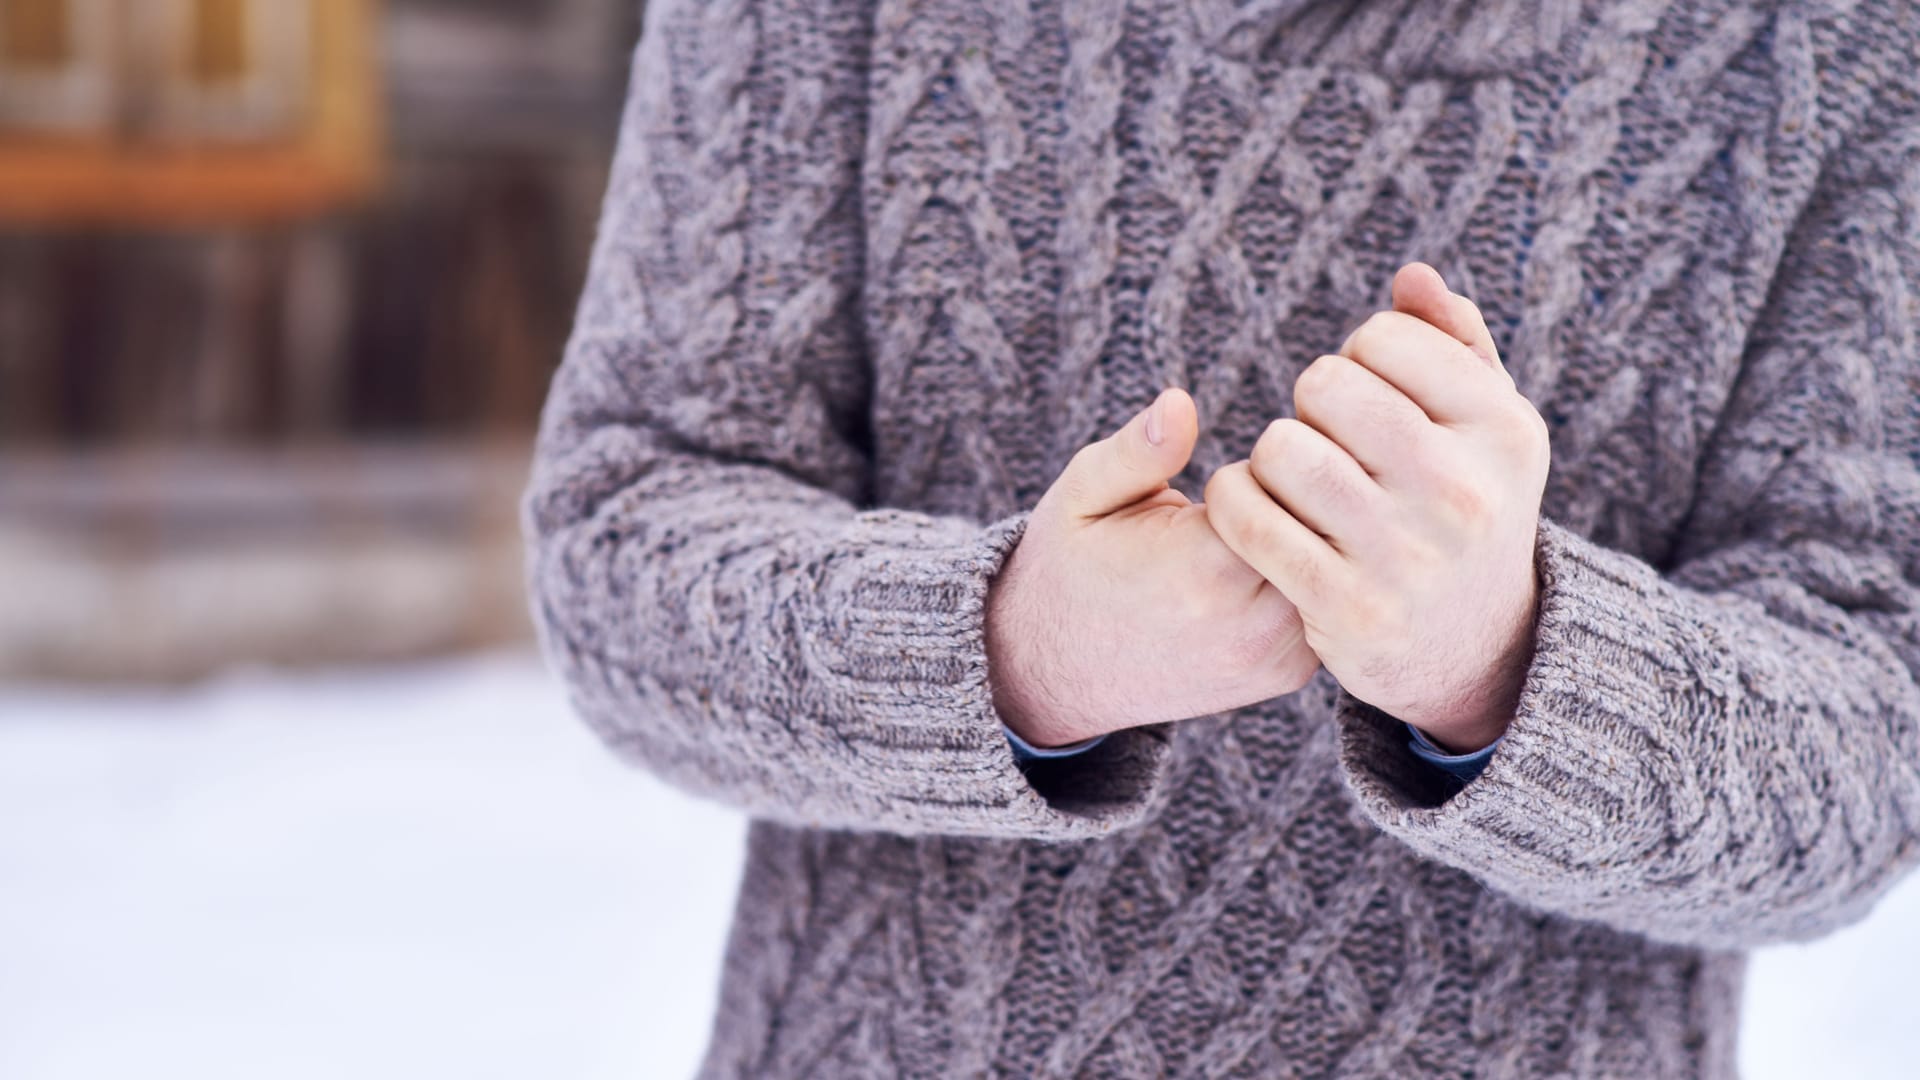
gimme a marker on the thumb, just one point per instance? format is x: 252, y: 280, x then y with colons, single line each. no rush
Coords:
x: 1420, y: 291
x: 1133, y: 463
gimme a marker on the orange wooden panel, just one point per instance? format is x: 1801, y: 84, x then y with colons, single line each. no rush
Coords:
x: 219, y: 41
x: 34, y: 32
x: 335, y: 158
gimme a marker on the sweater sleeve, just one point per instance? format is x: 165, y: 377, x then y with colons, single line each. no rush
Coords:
x: 1727, y: 754
x: 706, y: 577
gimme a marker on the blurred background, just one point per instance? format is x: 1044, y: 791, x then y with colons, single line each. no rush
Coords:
x: 281, y: 284
x: 283, y: 789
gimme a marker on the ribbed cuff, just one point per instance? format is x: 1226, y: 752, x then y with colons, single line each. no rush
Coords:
x: 902, y: 607
x: 1570, y: 796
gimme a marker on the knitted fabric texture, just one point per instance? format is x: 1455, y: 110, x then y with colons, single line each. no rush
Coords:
x: 870, y: 272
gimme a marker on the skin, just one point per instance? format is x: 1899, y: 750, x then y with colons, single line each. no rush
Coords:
x: 1399, y: 512
x: 1121, y: 607
x: 1386, y: 532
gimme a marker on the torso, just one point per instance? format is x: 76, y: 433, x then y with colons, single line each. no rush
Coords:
x: 1208, y: 214
x: 1192, y: 201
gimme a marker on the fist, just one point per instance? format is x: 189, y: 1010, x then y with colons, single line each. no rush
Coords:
x: 1398, y: 510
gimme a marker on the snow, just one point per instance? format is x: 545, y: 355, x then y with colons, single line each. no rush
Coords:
x: 436, y: 871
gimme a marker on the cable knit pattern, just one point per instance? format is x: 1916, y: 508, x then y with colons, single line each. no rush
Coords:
x: 869, y: 273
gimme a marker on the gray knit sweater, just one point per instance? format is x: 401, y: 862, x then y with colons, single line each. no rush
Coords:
x: 870, y: 272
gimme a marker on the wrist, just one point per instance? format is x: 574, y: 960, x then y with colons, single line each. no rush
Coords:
x: 1031, y: 721
x: 1481, y: 716
x: 1012, y: 680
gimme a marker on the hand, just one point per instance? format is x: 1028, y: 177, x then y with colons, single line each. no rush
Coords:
x: 1399, y: 512
x: 1120, y: 607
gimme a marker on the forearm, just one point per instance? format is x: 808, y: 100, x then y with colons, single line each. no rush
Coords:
x: 759, y: 641
x: 1720, y: 745
x: 706, y: 573
x: 1697, y: 767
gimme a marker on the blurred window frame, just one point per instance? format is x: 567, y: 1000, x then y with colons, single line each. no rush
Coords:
x: 235, y: 153
x: 271, y: 95
x: 74, y: 98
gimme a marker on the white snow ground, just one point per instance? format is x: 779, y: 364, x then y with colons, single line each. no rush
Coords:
x: 435, y: 872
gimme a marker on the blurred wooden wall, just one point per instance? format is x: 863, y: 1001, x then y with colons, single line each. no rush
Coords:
x: 297, y: 436
x: 437, y: 312
x: 434, y: 306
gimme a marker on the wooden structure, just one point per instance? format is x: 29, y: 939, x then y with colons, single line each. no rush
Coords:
x: 173, y: 112
x: 252, y: 412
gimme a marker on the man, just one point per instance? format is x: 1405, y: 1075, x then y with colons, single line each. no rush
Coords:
x: 1404, y: 754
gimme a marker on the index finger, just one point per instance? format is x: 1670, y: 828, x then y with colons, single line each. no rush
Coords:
x: 1434, y: 369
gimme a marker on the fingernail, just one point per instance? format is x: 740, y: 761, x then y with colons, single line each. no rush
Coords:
x: 1156, y: 429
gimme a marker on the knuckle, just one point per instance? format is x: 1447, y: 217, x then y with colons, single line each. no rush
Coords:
x: 1520, y: 421
x: 1464, y: 502
x: 1373, y: 616
x: 1389, y: 413
x: 1323, y: 474
x: 1362, y: 615
x: 1318, y: 382
x: 1210, y: 495
x: 1422, y: 561
x: 1374, y: 329
x: 1521, y: 432
x: 1233, y: 520
x: 1218, y: 492
x: 1259, y: 532
x: 1273, y: 446
x: 1277, y: 432
x: 1387, y: 320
